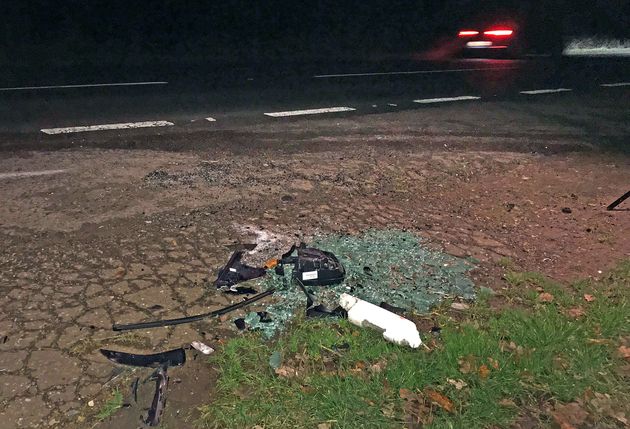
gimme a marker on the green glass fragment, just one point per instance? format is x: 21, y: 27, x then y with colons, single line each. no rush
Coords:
x: 389, y: 266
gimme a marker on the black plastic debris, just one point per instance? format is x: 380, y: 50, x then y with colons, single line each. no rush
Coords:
x: 134, y: 389
x: 312, y: 267
x: 264, y: 317
x: 160, y: 361
x: 235, y: 272
x: 392, y: 308
x: 174, y: 357
x: 190, y: 319
x: 618, y: 201
x: 240, y: 324
x: 242, y: 290
x: 159, y: 397
x: 323, y: 311
x: 341, y: 347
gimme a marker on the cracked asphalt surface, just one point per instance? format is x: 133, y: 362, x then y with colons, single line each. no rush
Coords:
x: 139, y: 221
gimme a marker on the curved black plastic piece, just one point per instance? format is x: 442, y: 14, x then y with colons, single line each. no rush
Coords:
x: 174, y: 357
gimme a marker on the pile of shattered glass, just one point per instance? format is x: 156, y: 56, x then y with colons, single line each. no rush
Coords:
x: 387, y: 266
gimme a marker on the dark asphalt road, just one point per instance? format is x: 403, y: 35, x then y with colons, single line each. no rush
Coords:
x: 242, y: 96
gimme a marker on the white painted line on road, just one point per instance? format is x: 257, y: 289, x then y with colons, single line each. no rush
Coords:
x: 89, y: 85
x: 326, y: 76
x: 546, y: 91
x: 310, y: 111
x: 613, y: 85
x: 211, y: 120
x: 20, y: 174
x: 446, y: 99
x: 122, y: 126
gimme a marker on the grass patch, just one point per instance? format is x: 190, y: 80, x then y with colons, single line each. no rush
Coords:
x: 481, y: 372
x: 114, y: 403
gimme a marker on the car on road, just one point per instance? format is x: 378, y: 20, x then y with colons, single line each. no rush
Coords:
x: 511, y: 33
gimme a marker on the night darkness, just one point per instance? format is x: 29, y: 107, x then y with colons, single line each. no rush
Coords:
x: 44, y: 32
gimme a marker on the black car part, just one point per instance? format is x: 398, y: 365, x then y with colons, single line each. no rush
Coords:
x: 235, y: 272
x: 134, y: 389
x: 159, y: 397
x: 174, y: 357
x: 181, y: 320
x: 618, y: 201
x: 320, y: 311
x: 312, y: 267
x: 160, y: 361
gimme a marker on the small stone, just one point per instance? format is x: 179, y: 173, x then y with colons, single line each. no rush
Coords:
x: 566, y: 210
x: 91, y: 403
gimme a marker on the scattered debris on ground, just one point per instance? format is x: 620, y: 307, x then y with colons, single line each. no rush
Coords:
x: 387, y: 266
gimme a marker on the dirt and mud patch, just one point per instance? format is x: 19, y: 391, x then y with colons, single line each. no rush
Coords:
x: 128, y: 236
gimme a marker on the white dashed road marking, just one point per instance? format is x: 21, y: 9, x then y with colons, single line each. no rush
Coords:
x: 446, y: 99
x: 122, y: 126
x: 90, y: 85
x: 310, y: 111
x: 326, y: 76
x: 20, y: 174
x: 613, y: 85
x: 545, y: 91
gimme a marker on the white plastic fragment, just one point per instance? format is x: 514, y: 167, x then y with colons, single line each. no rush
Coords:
x: 203, y: 348
x: 395, y: 328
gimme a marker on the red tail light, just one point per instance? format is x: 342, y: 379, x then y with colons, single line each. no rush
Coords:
x: 499, y: 32
x: 468, y: 33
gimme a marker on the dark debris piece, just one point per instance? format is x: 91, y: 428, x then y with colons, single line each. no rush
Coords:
x: 134, y: 389
x: 392, y: 308
x: 236, y: 272
x: 198, y: 317
x: 264, y: 317
x: 403, y: 271
x: 242, y: 290
x: 174, y: 357
x: 323, y: 311
x: 159, y: 398
x: 436, y: 331
x: 618, y: 201
x: 341, y: 347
